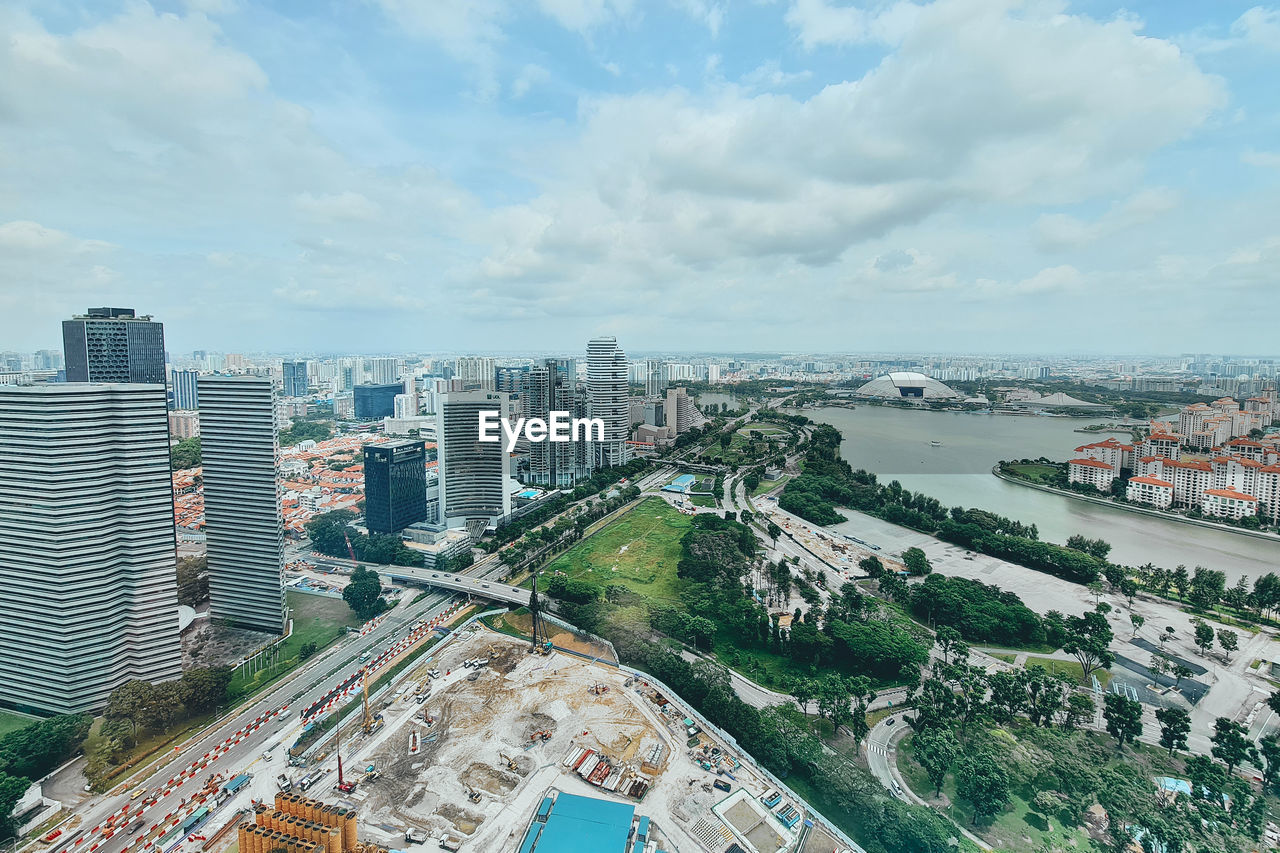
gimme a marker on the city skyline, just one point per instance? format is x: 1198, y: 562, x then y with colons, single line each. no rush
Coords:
x: 804, y: 172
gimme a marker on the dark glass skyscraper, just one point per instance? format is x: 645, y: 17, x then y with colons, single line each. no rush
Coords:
x: 376, y: 401
x: 395, y: 485
x: 113, y: 345
x: 295, y: 378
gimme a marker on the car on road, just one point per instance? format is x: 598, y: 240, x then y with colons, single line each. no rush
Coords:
x: 890, y: 721
x: 435, y: 576
x: 897, y: 790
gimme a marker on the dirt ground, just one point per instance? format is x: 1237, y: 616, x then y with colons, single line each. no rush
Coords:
x: 523, y: 623
x: 207, y: 644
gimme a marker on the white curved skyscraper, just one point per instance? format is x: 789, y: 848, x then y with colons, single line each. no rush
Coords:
x: 88, y: 592
x: 608, y: 399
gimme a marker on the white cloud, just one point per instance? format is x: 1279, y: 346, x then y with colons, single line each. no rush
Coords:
x: 1057, y: 231
x: 530, y: 76
x: 1259, y: 26
x: 769, y: 75
x: 1263, y: 159
x: 821, y: 23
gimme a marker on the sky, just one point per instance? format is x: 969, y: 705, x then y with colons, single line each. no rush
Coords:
x: 805, y: 175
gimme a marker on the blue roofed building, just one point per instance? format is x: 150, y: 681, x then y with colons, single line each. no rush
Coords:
x: 576, y: 824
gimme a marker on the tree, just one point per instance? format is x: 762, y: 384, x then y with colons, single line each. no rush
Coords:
x: 363, y: 593
x: 11, y: 790
x: 185, y: 454
x: 1229, y: 641
x: 1129, y: 589
x: 1080, y: 709
x: 1269, y: 750
x: 131, y: 702
x: 1203, y: 636
x: 307, y: 650
x: 774, y: 531
x: 1273, y: 702
x: 872, y: 566
x: 1231, y: 744
x: 1138, y: 622
x: 1175, y: 725
x: 916, y: 562
x: 1124, y: 718
x: 206, y: 687
x: 936, y: 749
x: 983, y: 782
x: 1180, y: 671
x: 948, y: 639
x: 170, y: 700
x: 193, y: 580
x: 1088, y: 638
x: 1181, y: 580
x: 803, y: 690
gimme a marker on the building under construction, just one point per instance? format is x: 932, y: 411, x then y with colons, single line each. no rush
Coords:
x: 298, y: 824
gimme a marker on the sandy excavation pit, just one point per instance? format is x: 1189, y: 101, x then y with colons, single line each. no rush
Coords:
x: 482, y: 725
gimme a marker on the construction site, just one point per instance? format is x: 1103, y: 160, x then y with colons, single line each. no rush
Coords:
x: 493, y: 743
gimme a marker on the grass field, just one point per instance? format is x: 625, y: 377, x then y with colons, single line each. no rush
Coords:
x: 769, y: 485
x: 1035, y: 473
x: 12, y: 722
x: 639, y: 549
x: 1070, y: 668
x: 316, y: 619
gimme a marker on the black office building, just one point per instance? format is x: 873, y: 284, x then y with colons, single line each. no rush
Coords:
x: 295, y: 378
x: 395, y: 485
x: 113, y: 345
x: 377, y: 401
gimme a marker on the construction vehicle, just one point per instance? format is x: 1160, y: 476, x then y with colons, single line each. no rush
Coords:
x: 511, y: 762
x: 472, y: 794
x: 370, y: 723
x: 344, y: 786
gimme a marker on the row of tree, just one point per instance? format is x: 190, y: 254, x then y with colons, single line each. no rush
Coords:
x: 32, y: 752
x: 330, y: 533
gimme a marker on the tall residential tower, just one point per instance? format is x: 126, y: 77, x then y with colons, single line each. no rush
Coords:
x: 475, y: 486
x: 608, y: 399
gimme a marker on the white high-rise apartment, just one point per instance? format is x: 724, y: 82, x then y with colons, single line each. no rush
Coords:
x: 475, y: 481
x: 384, y: 371
x: 607, y: 399
x: 476, y: 373
x: 243, y: 525
x: 88, y: 587
x: 655, y: 378
x: 551, y: 386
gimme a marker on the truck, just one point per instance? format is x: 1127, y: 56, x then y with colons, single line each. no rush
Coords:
x: 310, y: 779
x: 449, y: 842
x: 283, y: 783
x: 414, y: 836
x: 236, y: 783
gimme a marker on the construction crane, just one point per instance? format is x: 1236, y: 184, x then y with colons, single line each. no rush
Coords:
x: 511, y: 762
x: 368, y: 724
x: 344, y: 786
x: 472, y: 794
x: 350, y: 551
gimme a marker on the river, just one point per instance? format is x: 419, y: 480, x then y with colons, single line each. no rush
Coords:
x: 895, y: 445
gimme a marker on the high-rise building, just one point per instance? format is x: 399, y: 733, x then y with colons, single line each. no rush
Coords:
x: 395, y: 485
x: 475, y: 483
x: 655, y: 382
x: 510, y: 380
x: 406, y: 406
x: 88, y: 590
x: 550, y: 387
x: 607, y: 396
x: 376, y: 401
x: 113, y: 345
x: 477, y: 374
x: 185, y: 395
x: 384, y: 371
x: 184, y: 424
x: 296, y: 383
x: 243, y: 525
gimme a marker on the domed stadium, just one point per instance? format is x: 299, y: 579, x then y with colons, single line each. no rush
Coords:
x: 910, y: 386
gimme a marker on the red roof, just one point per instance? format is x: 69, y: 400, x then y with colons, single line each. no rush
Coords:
x: 1151, y: 481
x: 1230, y: 493
x: 1090, y: 463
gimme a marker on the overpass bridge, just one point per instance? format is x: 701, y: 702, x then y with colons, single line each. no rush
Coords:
x: 480, y: 587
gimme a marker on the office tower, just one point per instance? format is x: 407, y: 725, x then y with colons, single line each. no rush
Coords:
x: 185, y: 394
x: 655, y: 382
x: 384, y: 371
x: 395, y: 485
x: 477, y: 374
x: 243, y: 525
x: 113, y: 345
x: 48, y: 359
x: 680, y: 411
x: 296, y: 383
x: 475, y: 487
x: 376, y: 401
x: 348, y: 374
x: 607, y: 395
x: 88, y: 589
x: 713, y: 373
x: 510, y: 380
x: 550, y: 387
x: 184, y: 424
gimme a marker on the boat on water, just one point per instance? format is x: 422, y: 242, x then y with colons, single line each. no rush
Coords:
x: 935, y: 444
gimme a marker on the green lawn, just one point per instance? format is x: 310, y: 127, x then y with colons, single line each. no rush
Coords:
x: 763, y: 429
x: 316, y: 619
x: 639, y: 549
x: 1070, y: 668
x: 769, y: 485
x: 10, y: 722
x: 1035, y: 472
x: 703, y: 501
